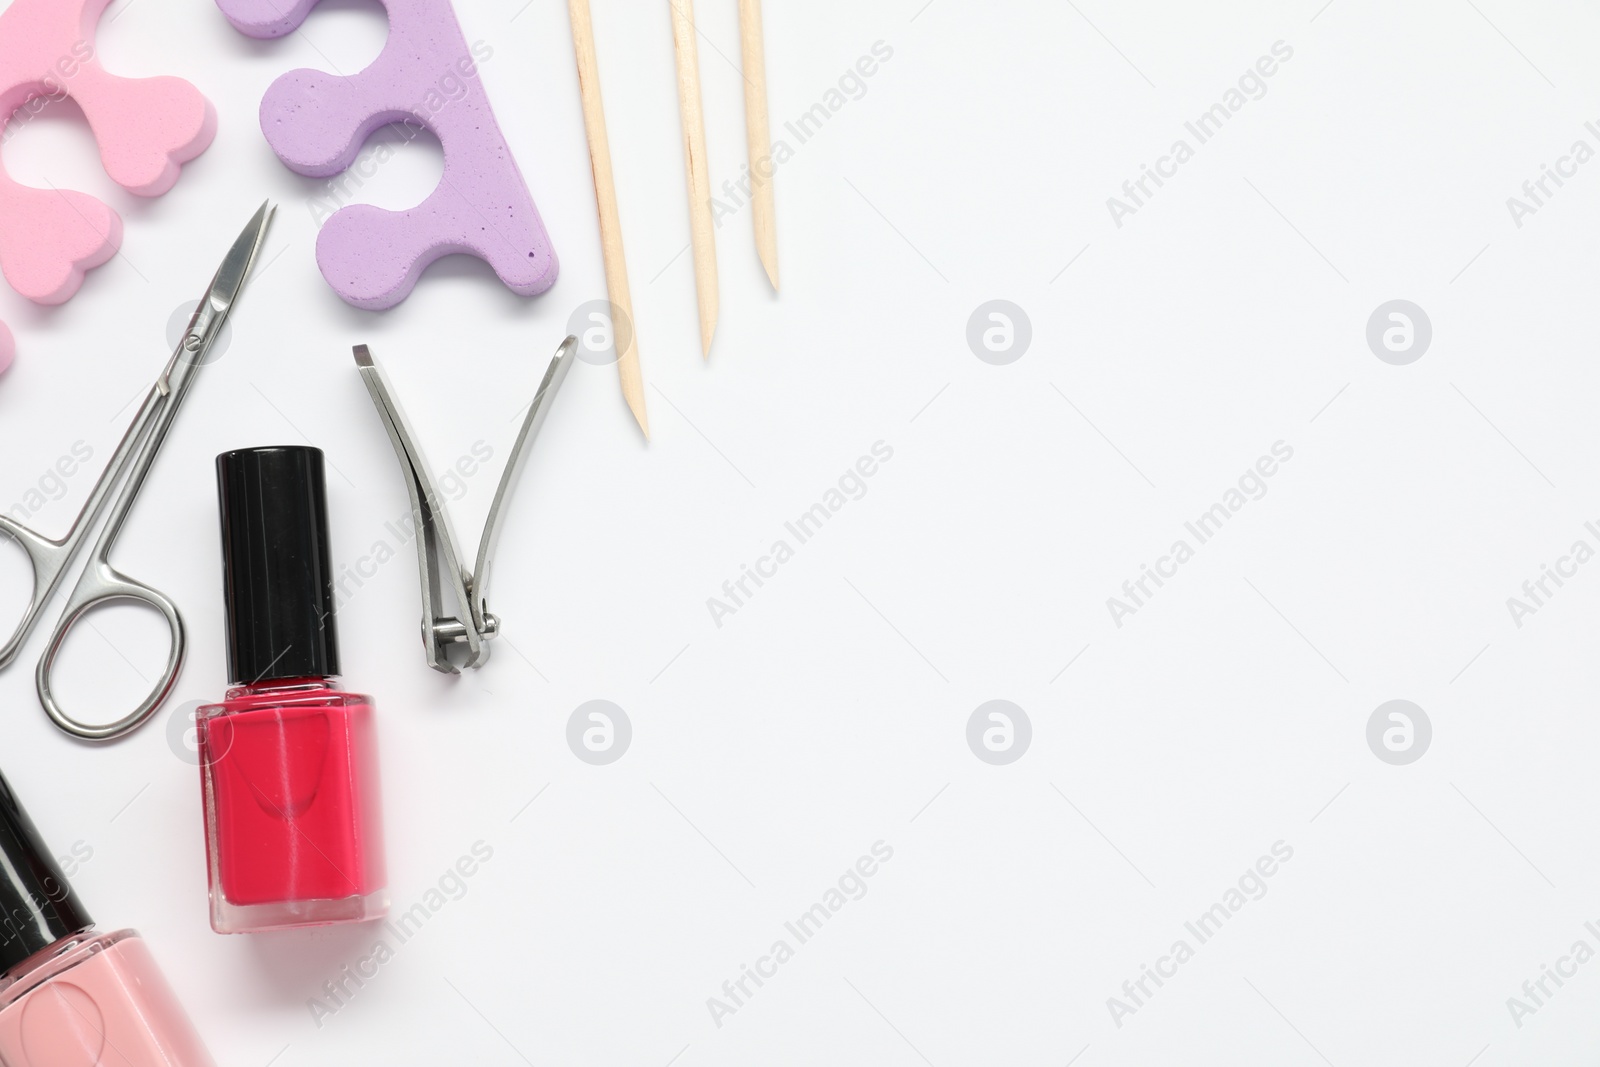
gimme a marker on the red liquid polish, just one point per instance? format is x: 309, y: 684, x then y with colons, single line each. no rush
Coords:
x: 288, y: 760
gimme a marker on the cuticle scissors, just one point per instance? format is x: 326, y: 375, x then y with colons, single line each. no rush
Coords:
x: 101, y: 584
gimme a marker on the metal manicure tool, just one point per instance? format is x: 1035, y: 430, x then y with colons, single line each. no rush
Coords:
x: 438, y: 556
x: 102, y: 583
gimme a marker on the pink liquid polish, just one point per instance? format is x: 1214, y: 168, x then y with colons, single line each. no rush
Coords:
x: 69, y: 995
x: 288, y: 761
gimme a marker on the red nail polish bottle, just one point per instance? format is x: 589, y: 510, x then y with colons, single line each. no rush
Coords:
x: 288, y: 760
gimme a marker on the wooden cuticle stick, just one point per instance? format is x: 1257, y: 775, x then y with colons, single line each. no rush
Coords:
x: 703, y: 234
x: 759, y: 133
x: 605, y: 193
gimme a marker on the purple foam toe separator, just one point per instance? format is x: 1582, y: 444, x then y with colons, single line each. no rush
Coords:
x: 426, y: 76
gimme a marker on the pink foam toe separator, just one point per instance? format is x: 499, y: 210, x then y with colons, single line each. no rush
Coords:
x: 49, y: 240
x: 146, y: 128
x: 426, y: 77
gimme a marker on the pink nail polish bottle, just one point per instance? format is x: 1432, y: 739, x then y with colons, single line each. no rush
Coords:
x: 71, y: 996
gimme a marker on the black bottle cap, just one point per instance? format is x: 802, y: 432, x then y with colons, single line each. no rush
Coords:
x: 276, y: 566
x: 37, y: 906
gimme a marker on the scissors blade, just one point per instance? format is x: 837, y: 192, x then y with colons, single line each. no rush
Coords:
x: 206, y: 323
x: 235, y: 267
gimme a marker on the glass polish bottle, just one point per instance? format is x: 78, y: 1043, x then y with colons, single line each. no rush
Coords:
x: 288, y: 760
x: 71, y: 996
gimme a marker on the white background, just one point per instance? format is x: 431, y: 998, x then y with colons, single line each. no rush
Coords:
x: 830, y: 712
